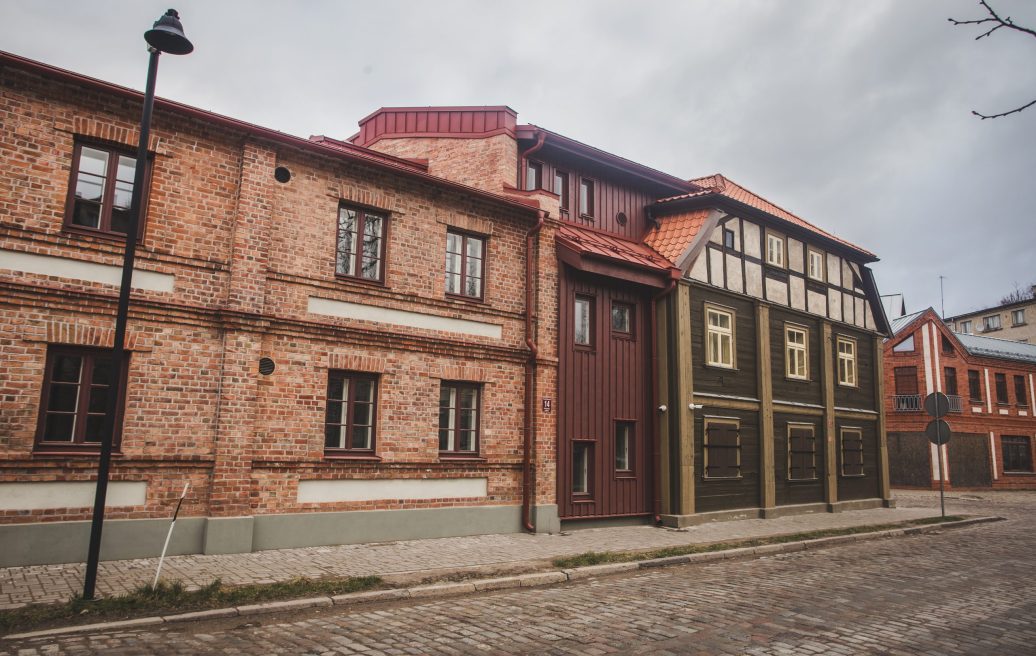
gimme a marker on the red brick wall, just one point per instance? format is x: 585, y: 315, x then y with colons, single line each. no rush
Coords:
x: 488, y: 163
x: 247, y: 253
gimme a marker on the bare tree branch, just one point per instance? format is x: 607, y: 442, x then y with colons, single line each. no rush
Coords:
x: 998, y: 23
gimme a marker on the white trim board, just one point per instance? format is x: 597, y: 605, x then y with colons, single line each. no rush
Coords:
x: 63, y: 267
x: 69, y: 494
x: 324, y: 491
x: 348, y: 310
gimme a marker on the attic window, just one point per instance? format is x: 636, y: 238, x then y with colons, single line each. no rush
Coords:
x: 905, y: 346
x: 947, y: 345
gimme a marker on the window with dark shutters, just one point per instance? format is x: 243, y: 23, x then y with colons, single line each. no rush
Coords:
x: 852, y: 452
x: 802, y: 453
x: 906, y: 380
x: 722, y: 448
x: 1017, y: 452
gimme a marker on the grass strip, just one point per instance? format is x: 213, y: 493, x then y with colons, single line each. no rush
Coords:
x: 602, y: 557
x: 170, y: 598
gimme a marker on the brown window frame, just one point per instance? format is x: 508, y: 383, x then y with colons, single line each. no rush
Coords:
x: 1016, y: 454
x: 561, y: 189
x: 591, y: 328
x: 1000, y: 385
x: 974, y: 385
x: 103, y: 228
x: 347, y: 413
x: 465, y: 237
x: 706, y: 447
x: 78, y: 444
x: 792, y: 452
x: 843, y: 450
x: 631, y: 317
x: 588, y: 493
x: 535, y: 181
x: 905, y: 381
x: 1021, y: 392
x: 587, y: 197
x: 729, y: 239
x: 456, y: 451
x: 357, y: 256
x: 631, y: 442
x: 950, y: 376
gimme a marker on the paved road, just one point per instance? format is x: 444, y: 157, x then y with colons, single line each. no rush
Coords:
x: 966, y: 591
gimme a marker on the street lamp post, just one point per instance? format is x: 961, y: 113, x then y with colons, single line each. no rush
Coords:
x: 165, y: 36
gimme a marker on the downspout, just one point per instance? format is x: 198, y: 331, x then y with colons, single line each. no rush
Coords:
x: 531, y: 277
x: 541, y: 136
x: 656, y: 418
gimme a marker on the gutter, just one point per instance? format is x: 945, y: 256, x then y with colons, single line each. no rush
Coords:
x: 524, y: 163
x: 531, y: 276
x: 657, y: 455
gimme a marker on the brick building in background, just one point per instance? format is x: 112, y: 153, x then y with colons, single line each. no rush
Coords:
x: 990, y: 384
x: 473, y: 326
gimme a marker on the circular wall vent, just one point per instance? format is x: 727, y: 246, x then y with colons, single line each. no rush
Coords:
x: 266, y: 366
x: 621, y: 218
x: 281, y: 174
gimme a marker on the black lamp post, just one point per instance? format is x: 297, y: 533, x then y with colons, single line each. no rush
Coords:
x: 165, y: 36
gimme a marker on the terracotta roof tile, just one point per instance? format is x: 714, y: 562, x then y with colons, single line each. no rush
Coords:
x: 675, y: 233
x: 717, y: 184
x: 599, y: 244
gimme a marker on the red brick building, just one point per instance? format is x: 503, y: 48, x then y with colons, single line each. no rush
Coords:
x: 447, y: 324
x: 990, y: 384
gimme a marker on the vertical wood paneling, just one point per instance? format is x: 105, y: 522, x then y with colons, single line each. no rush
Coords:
x: 597, y: 387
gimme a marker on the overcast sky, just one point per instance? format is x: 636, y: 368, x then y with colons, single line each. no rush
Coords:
x: 854, y: 115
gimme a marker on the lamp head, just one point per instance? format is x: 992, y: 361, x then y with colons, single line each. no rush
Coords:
x: 167, y: 35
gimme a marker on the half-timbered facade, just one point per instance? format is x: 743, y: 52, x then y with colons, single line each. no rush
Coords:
x: 991, y: 386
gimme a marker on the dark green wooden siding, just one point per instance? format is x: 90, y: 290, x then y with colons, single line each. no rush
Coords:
x: 859, y: 487
x: 788, y: 492
x: 787, y: 389
x: 740, y: 381
x: 724, y: 494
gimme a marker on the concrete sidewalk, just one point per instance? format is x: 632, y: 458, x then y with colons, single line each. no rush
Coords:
x: 426, y: 558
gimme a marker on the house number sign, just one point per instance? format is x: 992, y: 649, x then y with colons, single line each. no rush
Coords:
x: 548, y: 403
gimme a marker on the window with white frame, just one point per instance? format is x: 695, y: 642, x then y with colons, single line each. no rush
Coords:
x: 459, y: 418
x: 965, y: 327
x: 847, y: 361
x: 816, y: 265
x: 992, y: 322
x: 796, y: 352
x: 1018, y: 317
x: 719, y: 337
x: 774, y: 249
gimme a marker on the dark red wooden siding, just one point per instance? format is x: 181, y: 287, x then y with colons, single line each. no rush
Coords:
x: 436, y: 121
x: 598, y: 386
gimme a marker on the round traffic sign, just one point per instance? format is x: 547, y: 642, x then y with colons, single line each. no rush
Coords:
x: 936, y: 404
x: 937, y: 431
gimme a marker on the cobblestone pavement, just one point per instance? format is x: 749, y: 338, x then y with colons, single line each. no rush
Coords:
x: 48, y: 583
x: 963, y: 591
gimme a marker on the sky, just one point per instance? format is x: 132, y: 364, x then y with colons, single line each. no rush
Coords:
x: 854, y: 115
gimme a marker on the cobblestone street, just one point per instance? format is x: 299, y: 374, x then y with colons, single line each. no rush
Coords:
x: 965, y: 591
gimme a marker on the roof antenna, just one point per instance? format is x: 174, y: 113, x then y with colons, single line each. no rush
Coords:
x: 942, y: 300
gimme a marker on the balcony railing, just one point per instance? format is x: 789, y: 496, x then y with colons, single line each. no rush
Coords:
x: 915, y: 403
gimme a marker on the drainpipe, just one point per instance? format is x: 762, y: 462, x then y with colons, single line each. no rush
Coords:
x: 656, y: 418
x: 541, y: 136
x: 531, y: 277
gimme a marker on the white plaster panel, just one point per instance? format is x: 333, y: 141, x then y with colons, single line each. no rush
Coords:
x: 352, y: 489
x: 402, y: 318
x: 717, y: 235
x: 69, y: 494
x: 834, y: 269
x: 869, y: 316
x: 847, y: 276
x: 798, y: 292
x: 817, y: 303
x: 735, y: 281
x: 848, y: 309
x: 698, y: 269
x: 753, y: 279
x: 795, y: 257
x: 735, y: 225
x: 716, y: 266
x: 834, y: 304
x: 860, y: 317
x: 752, y: 246
x: 776, y: 291
x: 63, y: 267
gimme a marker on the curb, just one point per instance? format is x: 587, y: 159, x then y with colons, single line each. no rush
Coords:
x: 507, y: 582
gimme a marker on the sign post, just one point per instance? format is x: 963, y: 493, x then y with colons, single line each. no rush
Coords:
x: 938, y: 433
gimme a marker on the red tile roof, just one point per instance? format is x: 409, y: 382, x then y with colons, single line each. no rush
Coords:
x: 719, y: 185
x: 602, y: 245
x: 675, y: 233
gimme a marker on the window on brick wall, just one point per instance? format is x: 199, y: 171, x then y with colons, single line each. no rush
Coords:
x: 459, y: 418
x: 1017, y: 453
x: 360, y: 251
x: 1001, y: 389
x: 76, y: 391
x: 1021, y: 396
x: 350, y: 427
x: 100, y: 190
x: 465, y: 264
x: 951, y: 381
x: 974, y: 386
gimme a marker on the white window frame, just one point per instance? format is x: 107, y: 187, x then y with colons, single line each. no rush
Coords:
x: 987, y: 323
x: 822, y: 264
x: 793, y: 351
x: 965, y: 327
x: 851, y: 377
x: 778, y: 257
x: 722, y: 334
x: 1018, y: 317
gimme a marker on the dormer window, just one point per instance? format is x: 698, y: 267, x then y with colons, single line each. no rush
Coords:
x: 775, y: 250
x: 816, y: 265
x: 586, y: 198
x: 533, y: 176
